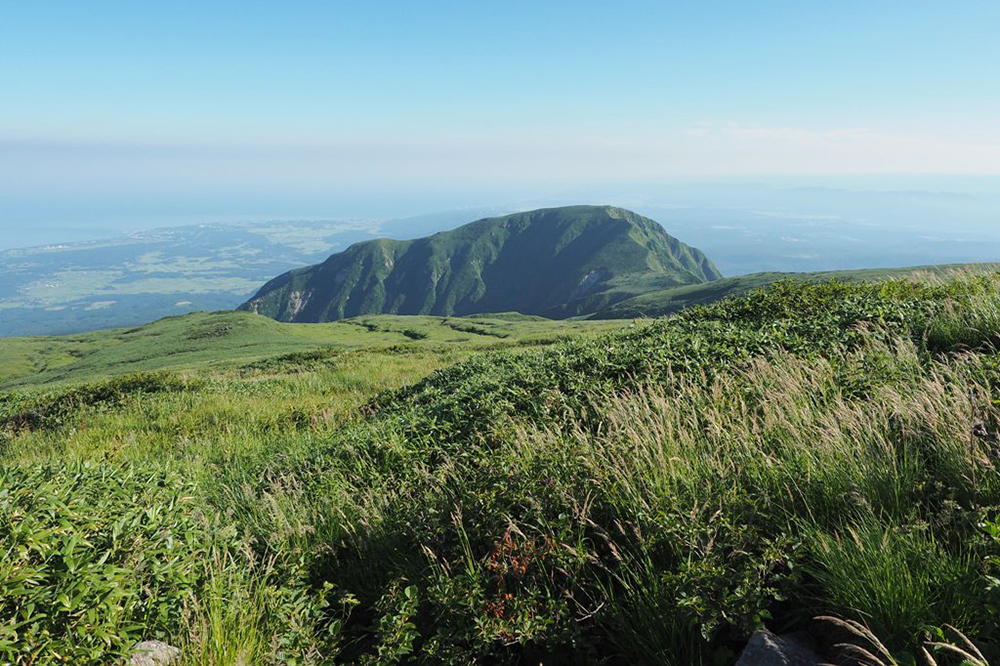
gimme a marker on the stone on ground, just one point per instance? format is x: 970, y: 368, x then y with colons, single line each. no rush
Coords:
x: 768, y: 649
x: 153, y: 653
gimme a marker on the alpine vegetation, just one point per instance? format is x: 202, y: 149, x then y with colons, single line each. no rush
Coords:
x: 653, y: 494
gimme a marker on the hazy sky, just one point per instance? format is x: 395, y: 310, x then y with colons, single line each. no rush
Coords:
x: 180, y: 100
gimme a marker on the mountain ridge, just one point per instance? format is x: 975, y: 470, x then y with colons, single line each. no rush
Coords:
x: 555, y: 262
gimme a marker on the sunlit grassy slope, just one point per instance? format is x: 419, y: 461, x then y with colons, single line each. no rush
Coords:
x: 229, y: 339
x: 356, y: 493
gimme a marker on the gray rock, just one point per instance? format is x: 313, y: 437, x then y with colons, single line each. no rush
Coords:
x: 153, y: 653
x: 768, y: 649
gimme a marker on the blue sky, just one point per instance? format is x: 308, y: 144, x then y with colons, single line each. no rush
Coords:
x: 189, y: 98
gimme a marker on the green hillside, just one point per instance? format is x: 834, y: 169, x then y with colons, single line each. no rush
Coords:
x: 353, y: 493
x: 656, y: 302
x: 223, y: 340
x: 555, y: 262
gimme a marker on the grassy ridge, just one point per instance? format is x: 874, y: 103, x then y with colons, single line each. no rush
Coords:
x: 221, y: 340
x: 650, y: 495
x: 654, y: 302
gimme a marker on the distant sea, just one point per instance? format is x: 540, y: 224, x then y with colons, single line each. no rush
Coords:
x: 54, y: 233
x: 951, y: 204
x: 33, y: 219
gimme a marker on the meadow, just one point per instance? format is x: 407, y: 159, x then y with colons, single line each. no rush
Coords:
x: 511, y: 490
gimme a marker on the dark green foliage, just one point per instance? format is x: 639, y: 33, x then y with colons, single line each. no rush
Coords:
x: 96, y: 557
x: 469, y: 400
x: 557, y: 262
x: 296, y: 361
x: 506, y: 316
x: 214, y: 330
x: 659, y: 302
x: 465, y: 327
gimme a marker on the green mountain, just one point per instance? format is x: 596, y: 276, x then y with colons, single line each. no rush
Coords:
x: 556, y: 262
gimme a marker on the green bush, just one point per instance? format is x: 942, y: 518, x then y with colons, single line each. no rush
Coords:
x: 97, y: 557
x: 52, y: 409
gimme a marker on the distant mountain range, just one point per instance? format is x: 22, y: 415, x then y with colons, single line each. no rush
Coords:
x: 554, y: 262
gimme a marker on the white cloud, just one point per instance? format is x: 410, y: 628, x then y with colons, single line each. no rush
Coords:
x: 753, y: 148
x: 541, y: 159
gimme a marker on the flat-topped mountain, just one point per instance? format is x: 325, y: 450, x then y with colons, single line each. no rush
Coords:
x: 556, y: 262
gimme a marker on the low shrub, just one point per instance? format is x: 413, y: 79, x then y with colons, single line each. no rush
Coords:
x: 52, y: 409
x: 97, y: 557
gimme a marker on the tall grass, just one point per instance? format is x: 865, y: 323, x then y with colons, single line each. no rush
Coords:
x: 253, y: 611
x: 871, y: 488
x: 653, y: 496
x: 898, y: 580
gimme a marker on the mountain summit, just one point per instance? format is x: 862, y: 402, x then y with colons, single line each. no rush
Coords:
x: 556, y: 262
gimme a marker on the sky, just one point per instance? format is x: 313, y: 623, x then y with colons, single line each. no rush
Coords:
x: 153, y: 110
